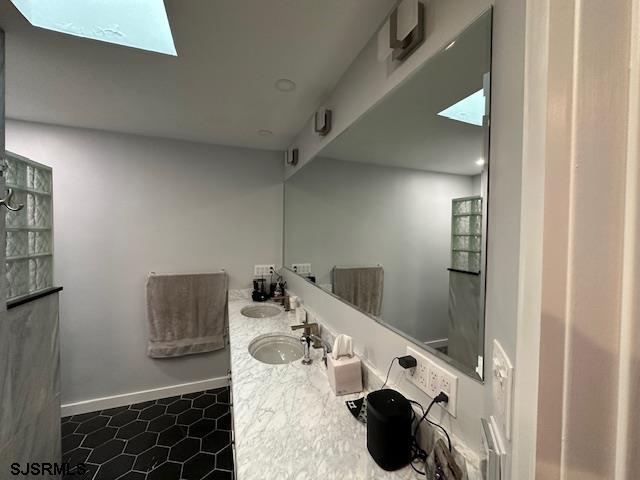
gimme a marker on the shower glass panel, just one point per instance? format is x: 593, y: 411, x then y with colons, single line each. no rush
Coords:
x: 29, y: 247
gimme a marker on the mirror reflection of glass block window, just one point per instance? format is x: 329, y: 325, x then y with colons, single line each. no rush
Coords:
x: 29, y: 247
x: 466, y: 234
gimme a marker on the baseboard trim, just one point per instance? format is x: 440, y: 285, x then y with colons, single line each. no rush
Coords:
x: 141, y: 396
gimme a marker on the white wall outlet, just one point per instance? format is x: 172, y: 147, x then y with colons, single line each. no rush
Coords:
x: 420, y: 374
x: 263, y: 270
x: 301, y: 268
x: 433, y: 379
x: 433, y: 383
x: 502, y: 370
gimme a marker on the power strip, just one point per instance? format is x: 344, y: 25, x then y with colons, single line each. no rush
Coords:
x: 433, y: 379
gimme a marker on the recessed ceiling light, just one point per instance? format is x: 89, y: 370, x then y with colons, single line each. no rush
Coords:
x: 285, y: 85
x: 480, y: 162
x: 265, y: 133
x: 450, y: 45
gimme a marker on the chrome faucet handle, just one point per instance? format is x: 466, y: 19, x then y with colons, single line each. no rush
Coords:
x: 308, y: 327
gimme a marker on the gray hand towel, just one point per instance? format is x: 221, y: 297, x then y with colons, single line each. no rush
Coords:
x: 361, y: 286
x: 186, y: 313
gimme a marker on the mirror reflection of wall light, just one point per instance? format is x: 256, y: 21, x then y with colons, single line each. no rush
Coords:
x: 139, y: 24
x: 468, y: 110
x: 291, y: 156
x: 322, y: 122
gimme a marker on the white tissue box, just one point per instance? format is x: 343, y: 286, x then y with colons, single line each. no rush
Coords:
x: 345, y: 374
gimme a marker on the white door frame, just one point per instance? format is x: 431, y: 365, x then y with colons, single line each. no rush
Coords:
x: 578, y: 341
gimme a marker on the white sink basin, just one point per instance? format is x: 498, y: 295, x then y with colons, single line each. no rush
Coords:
x: 276, y: 348
x: 260, y: 311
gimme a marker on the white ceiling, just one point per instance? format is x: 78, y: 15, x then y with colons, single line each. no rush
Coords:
x: 404, y: 129
x: 220, y: 87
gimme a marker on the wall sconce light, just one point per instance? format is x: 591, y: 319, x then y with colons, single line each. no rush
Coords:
x: 406, y: 45
x: 322, y: 122
x: 291, y: 157
x: 403, y: 32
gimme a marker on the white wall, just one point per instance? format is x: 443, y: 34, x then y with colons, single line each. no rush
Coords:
x: 127, y: 205
x: 365, y: 83
x: 359, y: 214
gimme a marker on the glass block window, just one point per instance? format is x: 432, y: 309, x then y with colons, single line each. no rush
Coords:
x: 29, y: 248
x: 466, y: 234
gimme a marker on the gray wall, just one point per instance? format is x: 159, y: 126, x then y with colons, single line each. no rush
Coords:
x: 127, y: 205
x: 358, y: 214
x: 365, y: 83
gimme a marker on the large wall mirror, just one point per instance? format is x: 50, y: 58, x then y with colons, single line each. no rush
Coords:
x: 391, y: 215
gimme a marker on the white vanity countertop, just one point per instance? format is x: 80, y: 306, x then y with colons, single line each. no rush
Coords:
x: 288, y: 424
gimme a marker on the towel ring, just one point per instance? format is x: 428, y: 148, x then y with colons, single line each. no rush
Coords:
x: 6, y: 201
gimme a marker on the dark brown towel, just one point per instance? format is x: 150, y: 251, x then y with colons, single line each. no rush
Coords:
x: 187, y: 314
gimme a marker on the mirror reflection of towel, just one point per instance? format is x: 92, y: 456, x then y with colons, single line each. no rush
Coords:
x: 361, y: 286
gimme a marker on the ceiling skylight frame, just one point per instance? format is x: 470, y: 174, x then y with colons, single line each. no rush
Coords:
x: 141, y: 24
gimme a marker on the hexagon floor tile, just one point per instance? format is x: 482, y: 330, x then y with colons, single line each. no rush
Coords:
x: 176, y: 438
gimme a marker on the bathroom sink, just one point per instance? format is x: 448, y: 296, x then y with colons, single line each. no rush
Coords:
x: 276, y: 348
x: 260, y: 311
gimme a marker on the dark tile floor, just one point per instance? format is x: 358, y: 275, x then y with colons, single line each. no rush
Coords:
x: 186, y: 437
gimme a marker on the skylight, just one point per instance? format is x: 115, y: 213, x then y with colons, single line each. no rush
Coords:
x: 468, y: 110
x: 139, y: 24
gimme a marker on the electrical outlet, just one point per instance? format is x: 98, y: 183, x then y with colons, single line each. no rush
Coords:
x: 263, y: 270
x: 301, y: 268
x: 447, y: 383
x: 433, y: 385
x: 420, y: 374
x: 433, y: 379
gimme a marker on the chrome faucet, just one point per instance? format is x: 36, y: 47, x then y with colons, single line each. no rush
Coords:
x: 310, y: 331
x: 326, y: 346
x: 310, y: 334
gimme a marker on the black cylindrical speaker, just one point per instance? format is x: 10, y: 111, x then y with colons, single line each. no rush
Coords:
x: 389, y: 417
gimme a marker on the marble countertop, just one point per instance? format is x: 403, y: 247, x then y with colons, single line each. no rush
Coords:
x: 288, y: 424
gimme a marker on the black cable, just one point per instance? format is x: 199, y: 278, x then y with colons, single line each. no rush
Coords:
x: 388, y: 372
x: 418, y: 404
x: 445, y: 432
x: 418, y: 453
x: 424, y: 415
x: 416, y: 470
